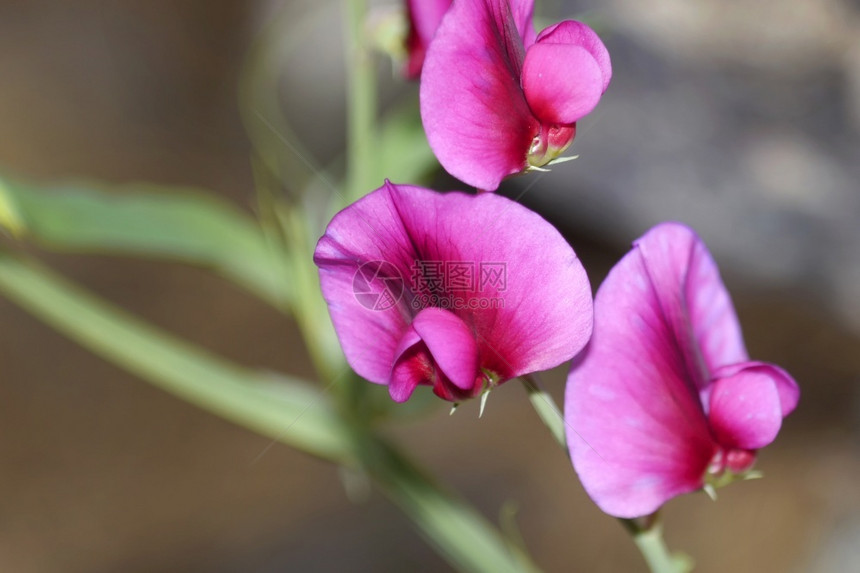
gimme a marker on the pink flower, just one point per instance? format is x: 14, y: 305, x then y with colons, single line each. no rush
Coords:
x: 424, y: 18
x: 496, y: 99
x: 459, y: 292
x: 665, y: 399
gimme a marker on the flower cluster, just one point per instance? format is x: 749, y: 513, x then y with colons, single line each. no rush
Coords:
x: 462, y: 292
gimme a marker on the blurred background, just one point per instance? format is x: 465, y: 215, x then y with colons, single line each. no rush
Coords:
x: 740, y: 119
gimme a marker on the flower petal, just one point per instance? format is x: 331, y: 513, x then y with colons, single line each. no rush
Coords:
x: 451, y: 343
x: 362, y: 261
x: 786, y: 387
x: 415, y: 364
x: 412, y: 366
x: 474, y: 112
x: 788, y: 390
x: 636, y: 430
x: 693, y: 299
x: 424, y: 19
x: 745, y: 410
x: 523, y: 12
x: 562, y: 82
x: 715, y: 324
x: 578, y: 34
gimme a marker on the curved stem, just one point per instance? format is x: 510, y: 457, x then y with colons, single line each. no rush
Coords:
x: 546, y: 408
x: 648, y: 537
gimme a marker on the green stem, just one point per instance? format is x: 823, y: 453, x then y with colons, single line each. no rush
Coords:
x: 647, y: 535
x: 361, y: 103
x: 546, y: 408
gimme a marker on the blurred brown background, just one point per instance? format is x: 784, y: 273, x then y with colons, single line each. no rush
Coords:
x: 740, y: 121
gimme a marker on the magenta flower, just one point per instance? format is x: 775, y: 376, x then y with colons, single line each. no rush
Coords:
x: 459, y: 292
x: 496, y: 99
x: 424, y: 18
x: 665, y: 399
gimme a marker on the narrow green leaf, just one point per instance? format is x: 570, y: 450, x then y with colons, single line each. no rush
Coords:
x: 147, y: 220
x: 10, y: 218
x: 277, y: 406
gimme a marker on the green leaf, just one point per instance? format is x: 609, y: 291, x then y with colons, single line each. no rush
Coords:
x: 274, y: 405
x: 147, y: 220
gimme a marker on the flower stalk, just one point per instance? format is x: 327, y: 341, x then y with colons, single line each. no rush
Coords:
x: 546, y: 408
x: 647, y: 534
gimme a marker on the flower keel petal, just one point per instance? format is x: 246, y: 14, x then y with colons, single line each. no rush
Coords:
x: 745, y: 410
x: 451, y: 344
x: 562, y: 83
x: 578, y: 34
x: 411, y: 367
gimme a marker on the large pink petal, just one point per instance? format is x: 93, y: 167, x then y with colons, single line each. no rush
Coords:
x: 523, y: 12
x: 451, y: 343
x: 562, y: 82
x: 473, y: 109
x: 636, y: 429
x: 576, y: 33
x: 693, y: 299
x: 425, y: 16
x: 711, y: 313
x: 364, y: 252
x: 745, y: 410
